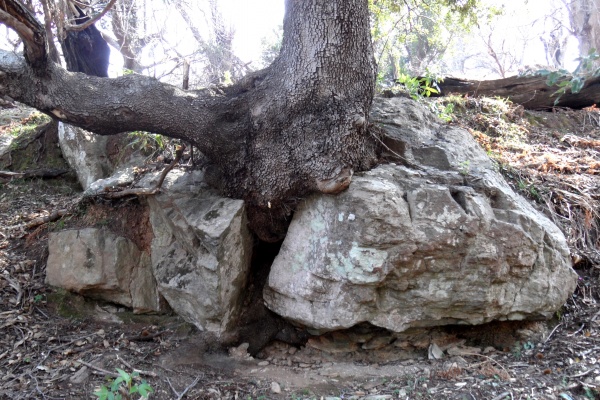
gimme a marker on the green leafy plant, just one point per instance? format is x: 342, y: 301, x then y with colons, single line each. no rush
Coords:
x: 575, y: 81
x: 125, y: 384
x: 446, y: 112
x: 147, y: 141
x: 419, y: 87
x: 589, y: 393
x: 464, y: 167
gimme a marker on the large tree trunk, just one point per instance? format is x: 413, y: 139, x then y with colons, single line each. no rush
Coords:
x: 296, y: 127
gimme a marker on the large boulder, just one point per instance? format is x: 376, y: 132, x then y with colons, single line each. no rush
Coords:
x: 97, y: 263
x: 439, y: 238
x: 201, y: 251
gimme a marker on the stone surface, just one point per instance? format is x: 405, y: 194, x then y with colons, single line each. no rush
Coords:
x: 93, y: 156
x: 85, y: 153
x: 122, y: 177
x: 438, y: 238
x: 200, y: 252
x: 97, y: 263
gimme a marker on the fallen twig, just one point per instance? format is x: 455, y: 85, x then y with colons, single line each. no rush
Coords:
x: 139, y: 371
x: 53, y: 216
x: 579, y: 375
x: 551, y: 333
x: 488, y: 358
x: 180, y: 395
x: 105, y: 372
x: 503, y: 395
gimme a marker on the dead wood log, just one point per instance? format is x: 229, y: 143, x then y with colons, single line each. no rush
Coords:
x: 529, y: 91
x: 37, y: 173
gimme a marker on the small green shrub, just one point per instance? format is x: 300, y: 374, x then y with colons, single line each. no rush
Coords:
x: 124, y: 383
x: 419, y: 88
x: 147, y: 142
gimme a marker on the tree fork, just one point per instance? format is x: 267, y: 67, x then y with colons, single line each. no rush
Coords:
x: 299, y: 126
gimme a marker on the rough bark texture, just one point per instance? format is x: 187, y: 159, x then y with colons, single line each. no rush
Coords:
x: 530, y: 91
x: 296, y: 127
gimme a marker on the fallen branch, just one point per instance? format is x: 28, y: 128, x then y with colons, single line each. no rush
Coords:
x: 146, y: 191
x: 551, y: 333
x: 531, y: 92
x: 53, y: 216
x: 36, y: 173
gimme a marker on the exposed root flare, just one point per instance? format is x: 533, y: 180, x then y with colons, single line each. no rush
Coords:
x: 337, y: 184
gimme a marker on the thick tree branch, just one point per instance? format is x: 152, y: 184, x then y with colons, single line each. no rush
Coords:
x: 129, y: 103
x: 14, y: 15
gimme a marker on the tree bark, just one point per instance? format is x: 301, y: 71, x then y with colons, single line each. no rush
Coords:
x: 531, y: 92
x: 584, y: 17
x: 296, y: 127
x: 86, y: 50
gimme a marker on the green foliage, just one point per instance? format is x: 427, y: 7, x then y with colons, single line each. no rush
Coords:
x: 227, y: 80
x: 415, y: 34
x: 124, y: 383
x: 464, y: 167
x: 417, y: 87
x: 445, y: 112
x: 575, y: 81
x: 271, y: 45
x: 589, y: 393
x: 529, y: 190
x: 147, y: 142
x: 518, y: 348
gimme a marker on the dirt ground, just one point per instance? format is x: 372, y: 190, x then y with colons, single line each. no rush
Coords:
x: 56, y: 345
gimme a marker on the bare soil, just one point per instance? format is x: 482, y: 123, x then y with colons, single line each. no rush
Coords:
x: 57, y: 345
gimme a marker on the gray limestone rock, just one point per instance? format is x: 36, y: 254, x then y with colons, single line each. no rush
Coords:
x: 85, y: 153
x: 439, y: 240
x: 200, y: 252
x: 95, y: 157
x: 97, y: 263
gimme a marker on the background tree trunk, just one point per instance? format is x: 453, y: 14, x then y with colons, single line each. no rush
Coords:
x: 584, y: 16
x: 86, y: 51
